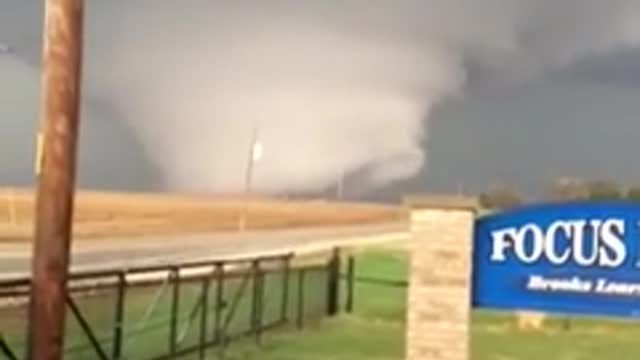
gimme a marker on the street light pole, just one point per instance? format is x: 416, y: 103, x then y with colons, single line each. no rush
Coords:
x: 340, y: 186
x: 255, y: 153
x: 56, y: 169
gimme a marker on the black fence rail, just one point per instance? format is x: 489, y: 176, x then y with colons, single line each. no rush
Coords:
x: 351, y: 278
x: 192, y: 310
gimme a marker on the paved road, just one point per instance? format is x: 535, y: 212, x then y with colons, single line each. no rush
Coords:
x: 122, y: 253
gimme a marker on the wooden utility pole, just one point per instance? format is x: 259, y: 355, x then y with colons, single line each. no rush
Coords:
x: 56, y: 168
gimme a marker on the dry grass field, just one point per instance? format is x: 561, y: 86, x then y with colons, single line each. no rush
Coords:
x: 101, y: 214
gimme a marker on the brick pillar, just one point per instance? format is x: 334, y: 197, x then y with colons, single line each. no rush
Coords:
x: 439, y: 298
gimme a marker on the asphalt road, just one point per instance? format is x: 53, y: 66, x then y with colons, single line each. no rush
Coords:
x: 15, y: 259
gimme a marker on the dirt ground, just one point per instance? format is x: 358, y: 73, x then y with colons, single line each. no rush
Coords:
x: 100, y: 214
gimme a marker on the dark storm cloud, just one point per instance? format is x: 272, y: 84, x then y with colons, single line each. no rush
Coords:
x: 110, y: 157
x: 335, y: 86
x: 620, y: 69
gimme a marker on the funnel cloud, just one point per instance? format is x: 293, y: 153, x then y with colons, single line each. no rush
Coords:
x: 333, y: 87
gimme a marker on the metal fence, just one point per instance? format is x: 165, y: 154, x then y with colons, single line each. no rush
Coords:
x: 350, y: 278
x: 190, y: 310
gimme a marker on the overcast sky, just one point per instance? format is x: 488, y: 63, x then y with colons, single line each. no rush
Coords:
x: 471, y: 105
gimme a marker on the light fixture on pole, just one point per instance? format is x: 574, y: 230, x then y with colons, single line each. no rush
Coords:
x: 256, y: 153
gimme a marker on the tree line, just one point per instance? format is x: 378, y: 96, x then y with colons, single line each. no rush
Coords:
x: 563, y: 189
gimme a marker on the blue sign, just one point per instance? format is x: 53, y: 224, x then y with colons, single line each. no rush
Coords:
x: 579, y: 257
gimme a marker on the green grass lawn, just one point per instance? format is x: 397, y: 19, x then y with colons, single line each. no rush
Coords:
x: 376, y: 330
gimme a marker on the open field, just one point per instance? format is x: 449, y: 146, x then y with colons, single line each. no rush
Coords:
x: 100, y: 214
x: 376, y: 330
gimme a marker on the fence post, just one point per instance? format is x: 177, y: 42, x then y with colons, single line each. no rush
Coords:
x: 285, y: 289
x: 300, y: 320
x: 256, y: 306
x: 333, y: 283
x: 203, y: 316
x: 350, y: 284
x: 175, y: 307
x: 261, y: 277
x: 119, y: 316
x: 217, y: 328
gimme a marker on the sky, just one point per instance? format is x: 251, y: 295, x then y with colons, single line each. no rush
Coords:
x: 401, y: 96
